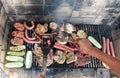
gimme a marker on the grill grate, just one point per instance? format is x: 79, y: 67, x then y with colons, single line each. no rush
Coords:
x: 97, y: 31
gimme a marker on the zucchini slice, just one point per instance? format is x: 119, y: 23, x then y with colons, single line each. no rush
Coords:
x: 17, y: 48
x: 13, y: 53
x: 14, y: 65
x: 28, y: 61
x: 94, y: 42
x: 14, y: 58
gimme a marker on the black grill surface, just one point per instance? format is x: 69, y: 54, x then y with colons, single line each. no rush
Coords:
x: 97, y: 31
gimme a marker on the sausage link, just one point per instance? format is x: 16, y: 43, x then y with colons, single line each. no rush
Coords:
x: 112, y: 49
x: 108, y: 48
x: 104, y: 44
x: 32, y: 42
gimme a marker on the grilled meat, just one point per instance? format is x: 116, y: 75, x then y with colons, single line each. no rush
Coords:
x: 39, y: 55
x: 71, y: 57
x: 19, y: 34
x: 41, y: 29
x: 81, y: 34
x: 19, y: 26
x: 74, y: 36
x: 60, y: 57
x: 17, y: 41
x: 40, y: 60
x: 82, y: 60
x: 37, y: 51
x: 69, y: 28
x: 53, y: 26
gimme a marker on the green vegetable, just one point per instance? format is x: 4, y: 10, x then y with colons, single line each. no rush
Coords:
x: 94, y: 42
x: 28, y: 62
x: 14, y: 58
x: 14, y: 65
x: 13, y: 53
x: 17, y: 48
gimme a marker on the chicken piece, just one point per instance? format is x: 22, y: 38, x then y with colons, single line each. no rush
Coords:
x: 37, y: 51
x: 74, y: 36
x: 53, y: 26
x: 40, y: 60
x: 40, y: 29
x: 39, y: 56
x: 71, y: 57
x: 62, y: 28
x: 46, y: 27
x: 69, y: 28
x: 81, y: 34
x: 60, y: 57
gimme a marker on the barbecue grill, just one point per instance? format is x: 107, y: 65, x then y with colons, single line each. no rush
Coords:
x: 96, y: 18
x: 97, y: 31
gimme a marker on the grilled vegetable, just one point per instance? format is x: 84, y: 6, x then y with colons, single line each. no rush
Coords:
x: 17, y: 48
x: 13, y: 53
x: 94, y: 42
x: 28, y: 62
x: 14, y: 58
x: 14, y: 65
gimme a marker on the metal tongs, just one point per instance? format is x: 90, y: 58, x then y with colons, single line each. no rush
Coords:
x: 46, y: 49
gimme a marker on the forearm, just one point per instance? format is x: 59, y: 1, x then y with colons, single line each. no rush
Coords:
x: 112, y: 62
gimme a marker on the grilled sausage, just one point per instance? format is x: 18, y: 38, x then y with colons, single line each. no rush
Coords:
x: 104, y: 44
x: 112, y: 49
x: 32, y: 42
x: 31, y: 27
x: 108, y: 48
x: 63, y: 47
x: 26, y: 35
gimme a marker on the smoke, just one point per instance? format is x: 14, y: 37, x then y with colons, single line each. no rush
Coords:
x: 63, y: 12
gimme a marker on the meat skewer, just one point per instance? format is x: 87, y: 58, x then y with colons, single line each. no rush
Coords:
x: 104, y: 44
x: 108, y: 48
x: 112, y: 49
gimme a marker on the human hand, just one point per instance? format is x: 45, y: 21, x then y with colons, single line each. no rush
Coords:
x: 84, y: 46
x: 41, y: 76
